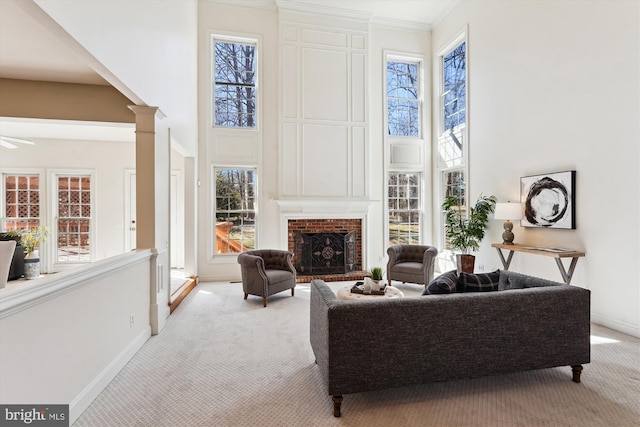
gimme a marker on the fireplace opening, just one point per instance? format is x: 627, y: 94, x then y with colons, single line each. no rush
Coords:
x: 325, y: 253
x: 326, y: 248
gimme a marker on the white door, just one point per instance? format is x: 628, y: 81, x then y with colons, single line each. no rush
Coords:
x: 177, y: 220
x: 129, y: 209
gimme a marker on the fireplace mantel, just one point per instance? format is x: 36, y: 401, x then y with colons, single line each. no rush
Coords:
x: 317, y: 206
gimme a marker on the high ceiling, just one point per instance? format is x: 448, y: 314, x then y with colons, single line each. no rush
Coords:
x: 28, y: 50
x: 34, y: 47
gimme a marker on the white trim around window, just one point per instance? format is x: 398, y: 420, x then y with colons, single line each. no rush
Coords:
x: 53, y: 263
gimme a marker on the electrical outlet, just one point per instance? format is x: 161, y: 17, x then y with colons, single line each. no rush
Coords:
x: 132, y: 321
x: 481, y: 267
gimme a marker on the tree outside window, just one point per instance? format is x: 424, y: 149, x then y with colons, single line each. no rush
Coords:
x: 404, y: 208
x: 235, y: 210
x: 234, y: 84
x: 403, y: 100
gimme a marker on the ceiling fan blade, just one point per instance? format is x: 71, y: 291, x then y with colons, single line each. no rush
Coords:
x: 8, y: 145
x: 10, y: 139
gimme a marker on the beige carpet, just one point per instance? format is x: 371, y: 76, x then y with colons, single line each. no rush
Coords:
x: 223, y: 361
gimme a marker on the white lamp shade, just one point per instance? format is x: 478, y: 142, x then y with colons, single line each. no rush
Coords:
x: 511, y: 211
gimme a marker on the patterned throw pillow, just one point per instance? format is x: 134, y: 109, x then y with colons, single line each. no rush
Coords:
x: 482, y: 282
x: 443, y: 284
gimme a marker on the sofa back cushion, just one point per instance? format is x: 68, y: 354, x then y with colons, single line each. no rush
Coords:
x: 482, y: 282
x: 514, y: 280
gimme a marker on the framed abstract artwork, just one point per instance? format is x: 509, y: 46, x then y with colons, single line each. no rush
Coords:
x: 549, y: 200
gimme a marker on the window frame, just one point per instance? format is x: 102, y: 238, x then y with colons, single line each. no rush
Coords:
x: 214, y: 212
x: 419, y: 210
x: 216, y: 37
x: 54, y: 174
x: 419, y: 61
x: 41, y: 194
x: 439, y: 170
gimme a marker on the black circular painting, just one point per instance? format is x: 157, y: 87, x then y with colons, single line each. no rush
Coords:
x: 548, y: 202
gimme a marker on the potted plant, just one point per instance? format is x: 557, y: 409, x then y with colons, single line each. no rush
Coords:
x: 31, y: 241
x: 465, y: 233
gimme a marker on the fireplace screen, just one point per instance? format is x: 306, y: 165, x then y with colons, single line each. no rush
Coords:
x: 325, y: 253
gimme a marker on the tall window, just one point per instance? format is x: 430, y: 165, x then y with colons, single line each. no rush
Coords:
x: 235, y: 210
x: 234, y: 84
x: 74, y: 218
x: 403, y: 98
x: 452, y: 139
x: 404, y: 208
x: 22, y: 201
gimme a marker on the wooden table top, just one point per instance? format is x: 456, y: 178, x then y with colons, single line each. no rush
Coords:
x: 540, y: 250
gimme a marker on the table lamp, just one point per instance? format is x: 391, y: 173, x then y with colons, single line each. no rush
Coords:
x: 508, y: 211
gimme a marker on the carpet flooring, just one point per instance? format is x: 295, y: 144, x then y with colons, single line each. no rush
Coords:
x: 223, y: 361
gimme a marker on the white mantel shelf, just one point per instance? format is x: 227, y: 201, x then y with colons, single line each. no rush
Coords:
x: 337, y: 206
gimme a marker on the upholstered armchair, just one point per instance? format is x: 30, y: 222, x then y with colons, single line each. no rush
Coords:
x: 411, y: 263
x: 266, y: 272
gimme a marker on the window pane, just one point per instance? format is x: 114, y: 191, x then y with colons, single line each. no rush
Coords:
x: 22, y: 202
x: 234, y: 84
x: 74, y: 219
x: 404, y: 208
x: 235, y: 198
x: 403, y: 100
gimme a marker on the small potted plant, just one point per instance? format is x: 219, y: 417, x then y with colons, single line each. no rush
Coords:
x: 31, y: 241
x: 376, y: 277
x: 465, y: 233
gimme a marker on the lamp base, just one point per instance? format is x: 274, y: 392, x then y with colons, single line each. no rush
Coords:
x: 507, y: 235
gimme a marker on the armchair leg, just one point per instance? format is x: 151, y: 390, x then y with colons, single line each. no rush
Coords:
x: 246, y: 295
x: 264, y: 301
x: 293, y: 292
x: 337, y: 401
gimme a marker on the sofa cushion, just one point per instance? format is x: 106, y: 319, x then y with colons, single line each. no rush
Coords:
x: 443, y: 284
x: 513, y: 280
x: 482, y: 282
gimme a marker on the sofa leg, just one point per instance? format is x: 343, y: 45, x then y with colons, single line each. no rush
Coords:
x: 246, y: 295
x: 337, y: 401
x: 293, y: 292
x: 577, y: 370
x: 264, y: 301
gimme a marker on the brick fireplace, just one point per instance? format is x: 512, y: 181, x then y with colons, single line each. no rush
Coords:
x: 330, y: 249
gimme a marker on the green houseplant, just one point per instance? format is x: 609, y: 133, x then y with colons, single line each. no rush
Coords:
x: 31, y: 241
x: 376, y: 273
x: 465, y: 232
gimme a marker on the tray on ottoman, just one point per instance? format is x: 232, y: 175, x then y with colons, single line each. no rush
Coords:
x: 358, y: 288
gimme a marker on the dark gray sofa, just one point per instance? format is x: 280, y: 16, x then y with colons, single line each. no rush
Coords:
x: 372, y: 344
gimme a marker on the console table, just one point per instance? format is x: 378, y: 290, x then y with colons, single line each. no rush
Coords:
x: 555, y: 253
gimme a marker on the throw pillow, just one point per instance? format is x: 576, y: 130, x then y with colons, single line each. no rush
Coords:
x: 482, y: 282
x: 443, y: 284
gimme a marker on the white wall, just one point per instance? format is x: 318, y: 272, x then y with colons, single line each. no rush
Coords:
x: 394, y: 41
x: 149, y: 50
x: 322, y: 84
x: 553, y: 86
x: 66, y: 336
x: 107, y: 159
x: 243, y: 148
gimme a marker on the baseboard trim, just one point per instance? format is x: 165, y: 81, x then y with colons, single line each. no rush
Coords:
x: 624, y: 327
x: 102, y: 380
